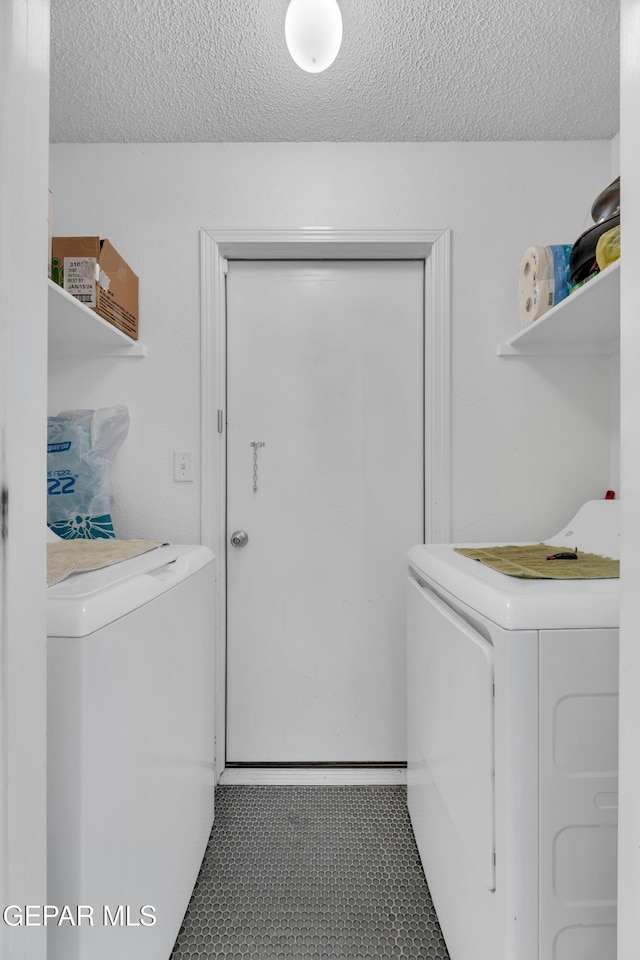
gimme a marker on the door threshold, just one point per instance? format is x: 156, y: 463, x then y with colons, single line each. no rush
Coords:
x: 316, y: 775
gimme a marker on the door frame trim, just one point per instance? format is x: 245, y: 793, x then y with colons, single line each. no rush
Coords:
x: 316, y: 243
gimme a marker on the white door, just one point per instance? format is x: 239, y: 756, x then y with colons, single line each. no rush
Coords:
x: 325, y: 368
x: 24, y: 161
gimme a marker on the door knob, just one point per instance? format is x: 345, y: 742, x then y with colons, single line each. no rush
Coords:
x: 239, y: 538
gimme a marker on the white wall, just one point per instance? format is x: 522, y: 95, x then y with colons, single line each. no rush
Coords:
x: 530, y: 437
x: 614, y: 362
x: 615, y: 156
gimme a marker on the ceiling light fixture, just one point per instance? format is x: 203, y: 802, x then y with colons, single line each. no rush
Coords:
x: 313, y: 31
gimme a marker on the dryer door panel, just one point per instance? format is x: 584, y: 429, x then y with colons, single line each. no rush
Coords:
x: 451, y: 721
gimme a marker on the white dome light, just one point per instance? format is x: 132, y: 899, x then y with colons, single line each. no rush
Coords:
x: 313, y: 31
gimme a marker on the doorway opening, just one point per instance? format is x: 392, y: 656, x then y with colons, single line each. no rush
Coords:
x: 217, y: 248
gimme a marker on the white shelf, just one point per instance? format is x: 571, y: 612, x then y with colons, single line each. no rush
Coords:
x: 586, y: 322
x: 76, y: 331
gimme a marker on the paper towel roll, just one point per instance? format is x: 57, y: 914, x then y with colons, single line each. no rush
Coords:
x: 536, y: 284
x: 544, y: 280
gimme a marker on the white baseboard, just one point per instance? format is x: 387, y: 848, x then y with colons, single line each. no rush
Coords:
x: 284, y: 776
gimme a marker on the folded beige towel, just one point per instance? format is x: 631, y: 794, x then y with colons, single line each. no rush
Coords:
x: 65, y: 557
x: 530, y: 562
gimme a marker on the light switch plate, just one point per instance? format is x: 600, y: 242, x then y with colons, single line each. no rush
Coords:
x: 182, y: 466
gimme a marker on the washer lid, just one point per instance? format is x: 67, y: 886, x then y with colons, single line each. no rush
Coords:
x: 85, y: 602
x: 514, y: 603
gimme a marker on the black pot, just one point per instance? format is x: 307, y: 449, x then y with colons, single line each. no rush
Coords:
x: 607, y: 203
x: 582, y: 261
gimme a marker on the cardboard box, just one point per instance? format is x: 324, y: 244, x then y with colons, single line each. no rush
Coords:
x: 93, y: 271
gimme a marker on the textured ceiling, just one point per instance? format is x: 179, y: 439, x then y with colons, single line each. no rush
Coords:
x: 219, y: 70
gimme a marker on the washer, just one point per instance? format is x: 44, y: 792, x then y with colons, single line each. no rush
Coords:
x: 130, y: 752
x: 512, y: 699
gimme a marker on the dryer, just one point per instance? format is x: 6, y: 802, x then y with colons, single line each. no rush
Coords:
x: 512, y: 716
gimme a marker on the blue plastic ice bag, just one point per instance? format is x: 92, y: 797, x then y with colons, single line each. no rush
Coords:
x: 81, y: 447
